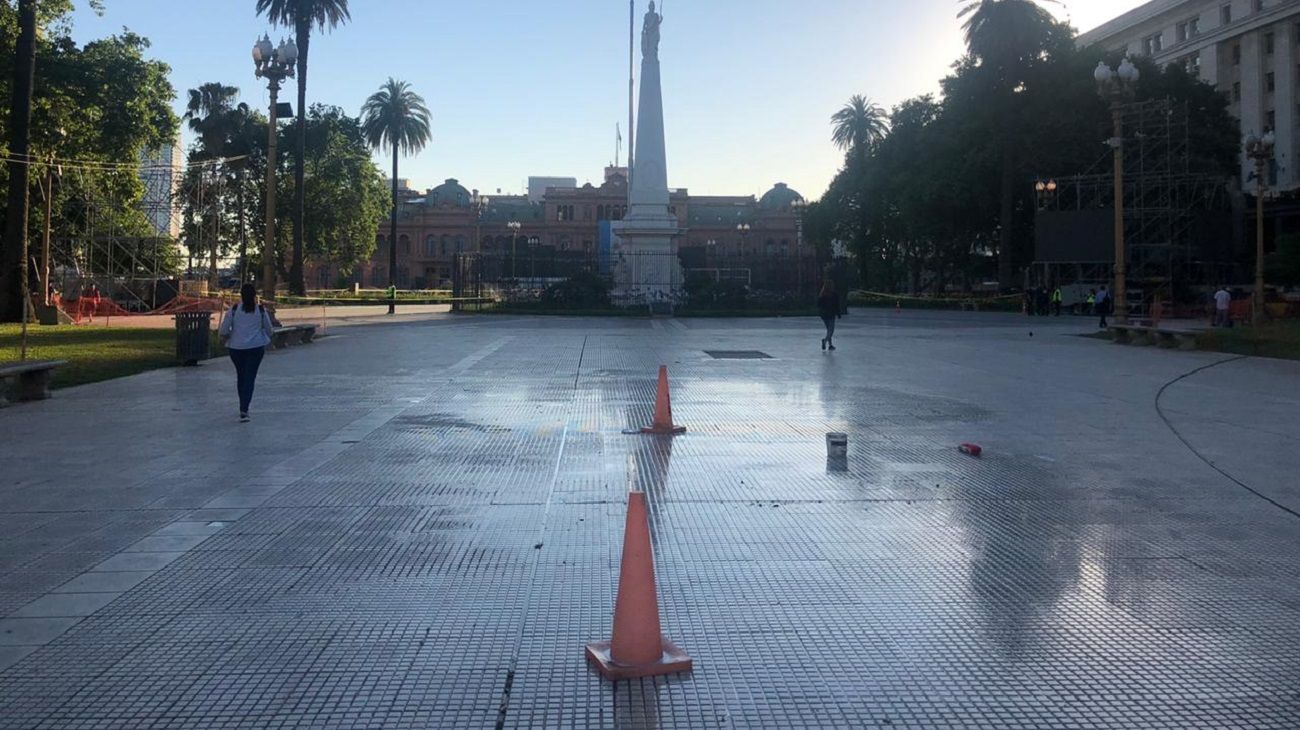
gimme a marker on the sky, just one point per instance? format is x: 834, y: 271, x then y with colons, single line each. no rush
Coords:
x: 521, y: 87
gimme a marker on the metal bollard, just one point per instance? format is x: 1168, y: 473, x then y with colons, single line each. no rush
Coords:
x: 837, y: 451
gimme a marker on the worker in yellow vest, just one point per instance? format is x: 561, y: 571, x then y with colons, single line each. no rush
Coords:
x: 1056, y: 301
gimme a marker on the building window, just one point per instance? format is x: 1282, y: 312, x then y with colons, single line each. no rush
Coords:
x: 1225, y: 14
x: 404, y: 243
x: 1270, y: 82
x: 430, y: 246
x: 1236, y: 91
x: 1180, y: 32
x: 1153, y: 44
x: 1270, y: 120
x: 1268, y: 44
x: 1194, y: 27
x: 460, y: 244
x: 1236, y: 55
x: 1259, y: 6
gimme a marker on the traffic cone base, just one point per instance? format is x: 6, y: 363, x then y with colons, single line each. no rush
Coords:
x: 664, y: 431
x: 674, y: 660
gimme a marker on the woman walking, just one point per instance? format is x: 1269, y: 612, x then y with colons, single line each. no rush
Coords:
x: 246, y: 331
x: 828, y: 306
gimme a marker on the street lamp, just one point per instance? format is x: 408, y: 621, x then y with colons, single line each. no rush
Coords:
x: 799, y: 206
x: 532, y: 258
x: 274, y: 64
x: 1260, y: 149
x: 743, y: 229
x: 1117, y: 86
x: 514, y: 227
x: 1046, y: 191
x: 480, y: 208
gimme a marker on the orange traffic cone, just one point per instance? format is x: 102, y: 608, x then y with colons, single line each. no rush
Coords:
x: 637, y: 648
x: 663, y: 423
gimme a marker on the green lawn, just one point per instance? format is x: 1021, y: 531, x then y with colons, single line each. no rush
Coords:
x: 93, y: 353
x: 1277, y: 339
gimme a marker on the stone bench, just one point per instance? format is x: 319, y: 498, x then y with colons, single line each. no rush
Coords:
x: 303, y: 334
x: 29, y: 379
x: 1133, y: 334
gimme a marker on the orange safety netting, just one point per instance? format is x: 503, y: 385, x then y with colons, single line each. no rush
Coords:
x: 87, y: 307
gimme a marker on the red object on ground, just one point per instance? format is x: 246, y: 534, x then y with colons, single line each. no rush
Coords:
x: 663, y: 423
x: 637, y: 648
x: 970, y: 449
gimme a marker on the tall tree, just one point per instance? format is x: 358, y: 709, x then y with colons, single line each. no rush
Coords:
x: 1006, y: 37
x: 302, y: 15
x: 395, y: 117
x: 210, y: 112
x: 859, y: 126
x: 15, y: 241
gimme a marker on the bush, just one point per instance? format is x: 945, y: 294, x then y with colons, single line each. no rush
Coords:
x: 584, y: 290
x: 702, y: 291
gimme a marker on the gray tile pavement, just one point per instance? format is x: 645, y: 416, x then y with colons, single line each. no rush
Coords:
x: 421, y: 528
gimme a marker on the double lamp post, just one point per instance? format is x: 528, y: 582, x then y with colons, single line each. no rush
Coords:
x: 275, y: 64
x: 1260, y: 151
x: 1117, y: 86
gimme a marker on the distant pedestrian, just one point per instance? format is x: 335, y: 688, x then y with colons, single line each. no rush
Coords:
x: 1101, y: 306
x: 1222, y: 307
x: 1043, y: 301
x: 1056, y: 301
x: 828, y: 307
x: 1028, y: 304
x: 246, y: 331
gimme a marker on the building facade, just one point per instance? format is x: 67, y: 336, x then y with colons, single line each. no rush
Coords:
x: 161, y: 170
x: 1247, y: 49
x: 436, y: 225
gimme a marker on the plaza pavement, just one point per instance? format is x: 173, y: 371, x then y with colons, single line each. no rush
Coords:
x: 421, y: 528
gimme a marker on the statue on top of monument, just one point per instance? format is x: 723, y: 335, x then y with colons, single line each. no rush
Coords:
x: 650, y: 34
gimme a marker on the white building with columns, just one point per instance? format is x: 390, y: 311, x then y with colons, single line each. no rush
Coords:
x: 1248, y: 49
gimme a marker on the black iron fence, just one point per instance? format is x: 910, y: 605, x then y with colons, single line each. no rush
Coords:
x: 546, y: 280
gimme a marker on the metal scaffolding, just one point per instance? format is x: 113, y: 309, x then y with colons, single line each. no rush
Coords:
x: 1167, y: 205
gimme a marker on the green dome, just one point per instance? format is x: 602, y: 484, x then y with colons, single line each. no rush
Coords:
x: 780, y: 197
x: 450, y: 193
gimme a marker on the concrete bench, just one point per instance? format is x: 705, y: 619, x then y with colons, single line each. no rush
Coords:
x: 1133, y: 334
x: 29, y: 380
x: 1182, y: 339
x: 303, y: 334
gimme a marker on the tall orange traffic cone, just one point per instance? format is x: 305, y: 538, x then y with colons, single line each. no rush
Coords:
x: 663, y: 423
x: 637, y: 648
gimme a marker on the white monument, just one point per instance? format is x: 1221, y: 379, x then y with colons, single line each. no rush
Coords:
x: 646, y: 269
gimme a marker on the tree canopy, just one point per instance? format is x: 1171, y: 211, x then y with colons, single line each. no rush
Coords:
x: 924, y: 210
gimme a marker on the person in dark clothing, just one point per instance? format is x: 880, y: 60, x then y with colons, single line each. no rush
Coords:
x: 1102, y: 306
x: 828, y: 307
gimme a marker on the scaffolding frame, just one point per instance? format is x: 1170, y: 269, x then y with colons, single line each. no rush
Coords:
x: 1163, y: 196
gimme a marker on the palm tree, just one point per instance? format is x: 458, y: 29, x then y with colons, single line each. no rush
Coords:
x: 209, y: 113
x: 859, y: 126
x: 213, y: 117
x: 301, y: 15
x: 395, y: 117
x: 1005, y: 33
x: 1006, y: 37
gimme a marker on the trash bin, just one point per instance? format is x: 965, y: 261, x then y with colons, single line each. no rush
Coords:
x: 193, y: 341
